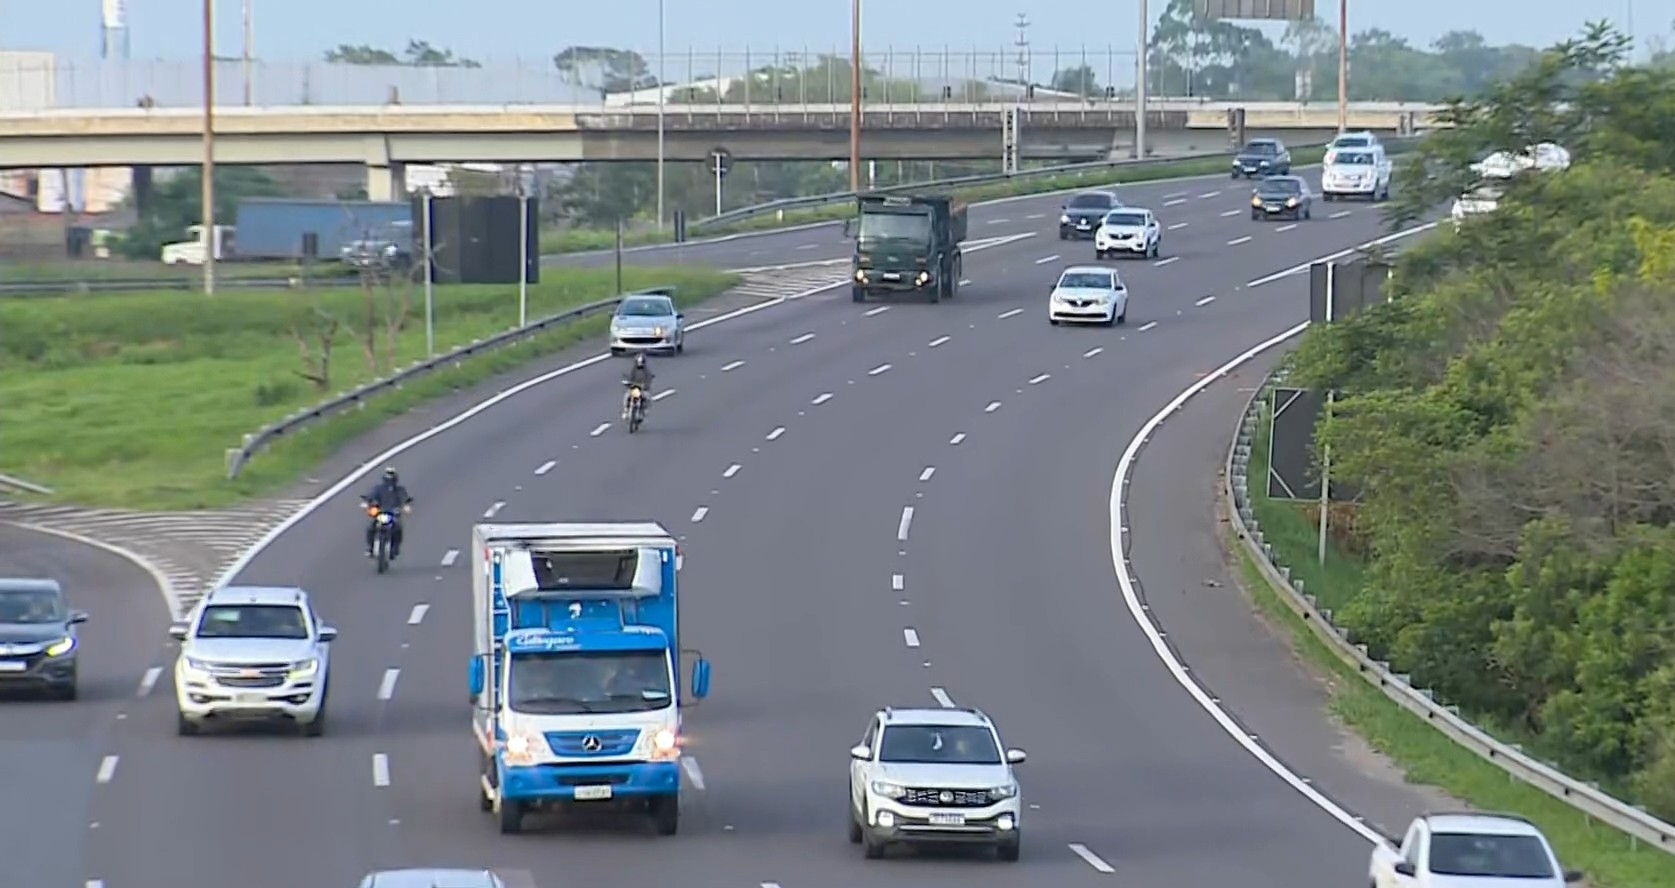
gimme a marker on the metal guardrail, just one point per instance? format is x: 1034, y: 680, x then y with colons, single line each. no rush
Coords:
x: 239, y: 457
x: 151, y: 285
x: 1587, y: 798
x: 28, y: 486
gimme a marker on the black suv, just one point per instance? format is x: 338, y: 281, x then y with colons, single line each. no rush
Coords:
x: 38, y: 637
x: 1081, y: 215
x: 1262, y: 157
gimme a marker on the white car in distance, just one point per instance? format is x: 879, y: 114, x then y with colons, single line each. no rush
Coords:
x: 1362, y: 140
x: 1480, y: 201
x: 1088, y: 293
x: 253, y: 653
x: 1128, y: 231
x: 923, y: 776
x: 1468, y: 850
x: 1361, y: 172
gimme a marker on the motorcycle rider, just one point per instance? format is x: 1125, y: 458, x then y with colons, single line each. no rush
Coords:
x: 640, y: 376
x: 390, y: 497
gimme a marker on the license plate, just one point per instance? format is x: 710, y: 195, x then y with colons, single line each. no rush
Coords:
x: 592, y: 793
x: 250, y: 698
x: 948, y: 820
x: 891, y: 276
x: 12, y: 666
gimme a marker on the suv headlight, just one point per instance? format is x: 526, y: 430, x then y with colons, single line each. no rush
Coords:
x: 1003, y: 792
x: 305, y: 668
x: 62, y: 646
x: 887, y: 789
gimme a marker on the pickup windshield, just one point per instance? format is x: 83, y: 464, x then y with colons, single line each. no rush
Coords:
x: 573, y: 682
x: 914, y: 227
x: 1352, y: 158
x: 1489, y: 856
x: 253, y: 621
x: 939, y: 745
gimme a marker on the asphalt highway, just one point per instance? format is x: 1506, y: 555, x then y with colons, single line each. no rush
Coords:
x: 882, y: 504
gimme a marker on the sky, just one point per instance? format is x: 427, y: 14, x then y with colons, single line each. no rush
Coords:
x: 512, y: 30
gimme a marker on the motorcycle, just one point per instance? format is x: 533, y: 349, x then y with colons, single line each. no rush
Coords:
x: 383, y: 535
x: 636, y: 407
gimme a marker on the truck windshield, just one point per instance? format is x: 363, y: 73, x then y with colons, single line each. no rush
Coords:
x: 575, y: 682
x: 915, y: 227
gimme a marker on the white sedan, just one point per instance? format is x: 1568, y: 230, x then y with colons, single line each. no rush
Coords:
x: 1088, y: 293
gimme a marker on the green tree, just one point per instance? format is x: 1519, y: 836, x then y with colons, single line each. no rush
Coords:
x: 605, y: 69
x: 418, y: 54
x: 1080, y: 80
x: 177, y: 203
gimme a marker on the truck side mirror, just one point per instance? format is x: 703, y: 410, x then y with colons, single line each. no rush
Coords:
x: 478, y: 678
x: 700, y: 679
x: 849, y: 226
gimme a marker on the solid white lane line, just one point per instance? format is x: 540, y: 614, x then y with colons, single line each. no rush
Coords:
x: 942, y: 699
x: 693, y: 772
x: 897, y: 582
x: 726, y: 368
x: 774, y: 435
x: 699, y: 513
x: 1286, y: 227
x: 1239, y: 240
x: 418, y: 614
x: 107, y: 769
x: 491, y: 510
x: 667, y: 393
x: 911, y: 637
x: 1091, y: 858
x: 802, y: 339
x: 824, y: 397
x: 1009, y: 314
x: 878, y: 311
x: 1174, y: 203
x: 1040, y: 379
x: 449, y: 557
x: 1304, y: 266
x: 881, y: 368
x: 1231, y: 213
x: 1339, y: 214
x: 1162, y: 262
x: 1205, y: 301
x: 1147, y: 326
x: 149, y: 681
x: 546, y: 467
x: 731, y: 470
x: 939, y: 340
x: 904, y: 524
x: 599, y: 430
x: 1046, y: 259
x: 927, y: 473
x: 386, y: 688
x: 993, y: 406
x: 380, y: 769
x: 1177, y: 226
x: 1093, y: 351
x: 957, y: 439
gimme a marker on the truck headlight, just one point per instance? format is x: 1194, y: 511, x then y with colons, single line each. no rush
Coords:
x: 1003, y: 792
x: 923, y: 278
x: 1064, y: 219
x: 1256, y: 201
x: 304, y: 668
x: 888, y: 790
x: 520, y: 749
x: 861, y: 275
x: 61, y: 647
x: 665, y: 745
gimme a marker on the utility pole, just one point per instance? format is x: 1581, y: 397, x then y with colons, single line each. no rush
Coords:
x: 1140, y: 84
x: 210, y: 241
x: 660, y: 88
x: 1022, y: 43
x: 249, y: 52
x: 1343, y: 65
x: 855, y: 95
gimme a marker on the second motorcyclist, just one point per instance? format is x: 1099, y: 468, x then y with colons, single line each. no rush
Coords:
x: 640, y: 376
x: 390, y: 497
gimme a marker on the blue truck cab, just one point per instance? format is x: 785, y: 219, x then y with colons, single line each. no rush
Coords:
x: 576, y: 671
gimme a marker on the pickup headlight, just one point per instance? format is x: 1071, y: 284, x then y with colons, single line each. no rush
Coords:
x: 1003, y: 792
x: 304, y: 668
x: 520, y: 749
x: 197, y: 667
x: 887, y: 789
x: 61, y: 647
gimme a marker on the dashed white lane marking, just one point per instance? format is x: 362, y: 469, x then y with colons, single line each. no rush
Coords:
x: 807, y: 246
x: 729, y: 367
x: 1205, y: 301
x: 965, y: 282
x: 1231, y: 213
x: 1009, y: 314
x: 380, y: 769
x: 1040, y: 379
x: 802, y: 339
x: 1162, y: 262
x: 418, y: 614
x: 881, y: 368
x: 731, y: 470
x: 824, y: 397
x: 546, y: 467
x: 95, y: 883
x: 1046, y: 259
x: 1174, y: 203
x: 1033, y: 216
x: 693, y: 772
x: 993, y: 406
x: 1091, y: 858
x: 599, y: 430
x: 774, y: 435
x: 667, y: 393
x: 1147, y: 326
x: 904, y: 524
x: 957, y: 439
x: 1208, y: 194
x: 911, y: 637
x: 1340, y: 214
x: 1239, y: 240
x: 149, y: 681
x: 699, y: 513
x: 1174, y: 194
x: 770, y: 885
x: 107, y: 769
x: 449, y: 557
x: 1093, y: 351
x: 897, y: 582
x: 939, y: 340
x: 491, y: 510
x: 942, y: 699
x: 999, y: 221
x: 386, y: 688
x: 1286, y: 227
x: 878, y: 311
x: 1177, y: 226
x: 927, y: 473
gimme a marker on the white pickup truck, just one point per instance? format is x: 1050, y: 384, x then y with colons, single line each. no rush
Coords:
x: 1468, y: 850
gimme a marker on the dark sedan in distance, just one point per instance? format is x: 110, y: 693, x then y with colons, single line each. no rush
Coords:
x: 1082, y: 214
x: 38, y: 637
x: 1262, y: 157
x: 1281, y: 197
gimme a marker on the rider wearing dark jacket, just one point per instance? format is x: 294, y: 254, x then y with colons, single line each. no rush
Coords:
x: 389, y: 496
x: 642, y: 377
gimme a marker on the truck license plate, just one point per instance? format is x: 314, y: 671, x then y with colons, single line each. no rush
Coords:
x: 593, y: 793
x: 13, y: 666
x: 250, y: 698
x: 948, y: 820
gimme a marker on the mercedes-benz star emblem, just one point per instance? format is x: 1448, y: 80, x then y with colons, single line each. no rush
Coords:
x: 945, y: 797
x: 591, y: 743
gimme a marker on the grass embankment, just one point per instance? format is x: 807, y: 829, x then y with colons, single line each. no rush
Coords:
x: 132, y: 400
x: 1426, y: 755
x: 578, y: 240
x: 95, y: 270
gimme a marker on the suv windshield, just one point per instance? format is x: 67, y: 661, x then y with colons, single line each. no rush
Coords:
x: 939, y: 745
x: 1085, y: 280
x: 253, y: 621
x: 30, y: 606
x: 572, y: 682
x: 1091, y: 202
x: 915, y: 227
x: 644, y: 308
x: 1506, y: 857
x: 1135, y: 220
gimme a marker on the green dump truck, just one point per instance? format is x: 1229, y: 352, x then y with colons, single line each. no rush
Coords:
x: 907, y: 245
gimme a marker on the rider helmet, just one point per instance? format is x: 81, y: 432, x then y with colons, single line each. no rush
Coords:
x: 389, y: 474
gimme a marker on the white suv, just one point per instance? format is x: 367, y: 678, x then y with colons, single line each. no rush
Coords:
x: 1468, y: 850
x: 933, y: 775
x: 253, y: 652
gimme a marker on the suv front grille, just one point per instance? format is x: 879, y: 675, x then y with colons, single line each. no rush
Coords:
x: 956, y: 798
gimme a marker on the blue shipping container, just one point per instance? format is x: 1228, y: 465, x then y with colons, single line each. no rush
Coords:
x: 273, y: 228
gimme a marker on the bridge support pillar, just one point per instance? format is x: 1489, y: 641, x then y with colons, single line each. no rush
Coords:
x: 386, y: 182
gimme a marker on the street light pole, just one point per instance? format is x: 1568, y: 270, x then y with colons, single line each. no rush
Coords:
x: 210, y: 241
x: 1140, y: 86
x: 660, y: 88
x: 854, y: 95
x: 1343, y: 65
x: 249, y: 51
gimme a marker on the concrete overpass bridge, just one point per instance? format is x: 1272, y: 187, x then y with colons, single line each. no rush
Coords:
x: 386, y: 138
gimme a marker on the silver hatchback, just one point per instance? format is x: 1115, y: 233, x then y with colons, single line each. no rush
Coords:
x: 648, y: 322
